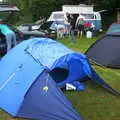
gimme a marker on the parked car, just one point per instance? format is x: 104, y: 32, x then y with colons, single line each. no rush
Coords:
x: 38, y: 30
x: 47, y: 27
x: 32, y: 30
x: 28, y: 27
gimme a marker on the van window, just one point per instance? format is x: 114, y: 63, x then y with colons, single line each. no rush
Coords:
x: 58, y: 16
x: 88, y: 16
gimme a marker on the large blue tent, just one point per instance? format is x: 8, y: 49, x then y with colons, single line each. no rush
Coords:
x: 30, y: 77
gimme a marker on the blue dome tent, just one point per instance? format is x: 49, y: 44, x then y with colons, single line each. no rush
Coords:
x: 31, y: 73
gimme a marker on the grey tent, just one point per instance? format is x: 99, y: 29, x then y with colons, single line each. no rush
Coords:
x: 105, y: 51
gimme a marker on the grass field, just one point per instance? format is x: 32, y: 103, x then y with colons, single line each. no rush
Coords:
x: 95, y: 103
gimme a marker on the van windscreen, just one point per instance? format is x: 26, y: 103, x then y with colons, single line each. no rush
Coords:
x: 58, y: 16
x: 88, y: 16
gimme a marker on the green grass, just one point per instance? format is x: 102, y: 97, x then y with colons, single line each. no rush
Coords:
x: 95, y: 103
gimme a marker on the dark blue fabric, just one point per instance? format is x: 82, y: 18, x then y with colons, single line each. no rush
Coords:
x: 79, y: 86
x: 75, y: 67
x: 47, y: 104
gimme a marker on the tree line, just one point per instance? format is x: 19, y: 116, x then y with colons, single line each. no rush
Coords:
x: 32, y: 10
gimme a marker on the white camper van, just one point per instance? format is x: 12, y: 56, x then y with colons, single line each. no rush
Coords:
x: 72, y: 9
x: 85, y: 10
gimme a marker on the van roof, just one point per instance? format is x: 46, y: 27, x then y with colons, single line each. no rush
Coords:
x: 80, y: 5
x: 59, y: 12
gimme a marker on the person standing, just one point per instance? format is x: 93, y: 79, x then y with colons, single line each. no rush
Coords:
x: 67, y: 23
x: 9, y: 35
x: 71, y: 20
x: 80, y: 27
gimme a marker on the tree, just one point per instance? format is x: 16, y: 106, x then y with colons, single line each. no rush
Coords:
x: 32, y: 9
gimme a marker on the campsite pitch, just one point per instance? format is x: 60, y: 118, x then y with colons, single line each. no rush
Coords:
x: 95, y: 103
